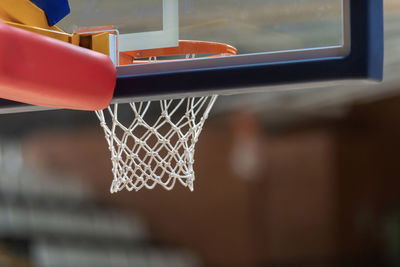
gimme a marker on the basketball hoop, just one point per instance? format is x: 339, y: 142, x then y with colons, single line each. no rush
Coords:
x: 148, y: 151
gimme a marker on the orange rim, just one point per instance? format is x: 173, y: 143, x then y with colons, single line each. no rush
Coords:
x: 185, y: 47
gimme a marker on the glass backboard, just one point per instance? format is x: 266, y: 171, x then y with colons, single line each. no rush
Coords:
x: 252, y: 26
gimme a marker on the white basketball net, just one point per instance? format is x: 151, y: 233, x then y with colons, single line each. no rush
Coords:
x: 148, y: 151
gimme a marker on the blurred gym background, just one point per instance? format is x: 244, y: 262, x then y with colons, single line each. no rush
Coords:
x: 300, y: 178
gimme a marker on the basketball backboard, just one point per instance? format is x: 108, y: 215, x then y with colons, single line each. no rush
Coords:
x: 281, y: 44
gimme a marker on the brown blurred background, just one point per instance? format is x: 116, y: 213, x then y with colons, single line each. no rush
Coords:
x: 323, y: 192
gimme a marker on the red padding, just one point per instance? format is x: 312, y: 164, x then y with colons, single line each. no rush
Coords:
x: 39, y: 70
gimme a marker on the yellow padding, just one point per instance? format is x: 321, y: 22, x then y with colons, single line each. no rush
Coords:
x: 69, y: 38
x: 4, y: 15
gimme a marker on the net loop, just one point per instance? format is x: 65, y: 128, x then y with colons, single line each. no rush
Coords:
x: 148, y: 149
x: 144, y: 154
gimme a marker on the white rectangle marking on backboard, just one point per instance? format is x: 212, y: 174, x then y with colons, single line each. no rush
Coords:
x: 168, y: 37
